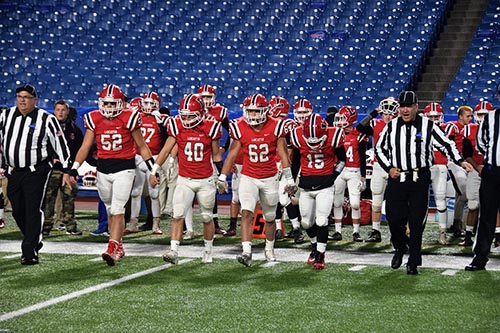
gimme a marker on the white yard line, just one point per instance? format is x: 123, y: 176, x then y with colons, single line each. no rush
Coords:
x: 85, y: 291
x: 220, y: 252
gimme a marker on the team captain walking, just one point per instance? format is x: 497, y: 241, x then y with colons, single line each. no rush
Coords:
x: 405, y: 152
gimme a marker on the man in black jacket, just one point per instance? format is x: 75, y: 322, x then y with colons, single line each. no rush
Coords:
x: 74, y: 138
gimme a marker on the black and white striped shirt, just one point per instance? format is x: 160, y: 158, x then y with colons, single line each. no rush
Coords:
x: 488, y: 138
x: 31, y: 139
x: 409, y: 146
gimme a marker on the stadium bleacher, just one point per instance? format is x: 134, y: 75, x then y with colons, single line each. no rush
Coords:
x: 479, y: 75
x: 331, y: 52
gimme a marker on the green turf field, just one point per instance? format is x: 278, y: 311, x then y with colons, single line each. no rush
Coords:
x: 228, y: 297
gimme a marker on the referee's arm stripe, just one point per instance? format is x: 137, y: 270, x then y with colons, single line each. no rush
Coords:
x: 381, y: 149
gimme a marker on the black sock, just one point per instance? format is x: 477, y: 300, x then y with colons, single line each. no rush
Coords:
x: 232, y: 222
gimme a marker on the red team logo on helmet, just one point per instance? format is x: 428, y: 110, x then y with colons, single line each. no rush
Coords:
x: 314, y: 131
x: 150, y: 102
x: 279, y: 107
x: 302, y: 108
x: 435, y: 112
x: 89, y: 178
x: 191, y: 110
x: 258, y: 106
x: 136, y: 104
x: 111, y: 101
x: 346, y: 116
x: 207, y: 93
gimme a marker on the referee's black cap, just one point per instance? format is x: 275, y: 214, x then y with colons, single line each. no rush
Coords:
x: 28, y: 88
x: 407, y: 98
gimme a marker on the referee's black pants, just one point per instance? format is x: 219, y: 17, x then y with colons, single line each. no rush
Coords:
x: 407, y: 203
x: 489, y: 207
x: 26, y: 193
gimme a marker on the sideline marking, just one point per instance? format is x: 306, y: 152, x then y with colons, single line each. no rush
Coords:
x: 357, y: 268
x: 75, y: 294
x: 450, y: 272
x: 270, y: 264
x: 10, y: 256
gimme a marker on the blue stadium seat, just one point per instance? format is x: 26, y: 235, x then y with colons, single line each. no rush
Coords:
x: 187, y: 44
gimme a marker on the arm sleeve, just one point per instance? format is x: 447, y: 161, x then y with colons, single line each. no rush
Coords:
x: 364, y: 125
x: 362, y: 158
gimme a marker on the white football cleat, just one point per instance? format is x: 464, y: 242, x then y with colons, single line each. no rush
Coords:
x: 270, y: 255
x: 245, y: 259
x: 171, y: 257
x: 207, y: 258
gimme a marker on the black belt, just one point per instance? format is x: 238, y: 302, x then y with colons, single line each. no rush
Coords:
x: 33, y: 168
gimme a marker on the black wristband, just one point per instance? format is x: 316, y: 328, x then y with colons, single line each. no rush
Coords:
x: 218, y: 165
x: 58, y: 166
x: 374, y: 114
x: 149, y: 163
x: 73, y: 173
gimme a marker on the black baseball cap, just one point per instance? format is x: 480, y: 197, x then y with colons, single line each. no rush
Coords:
x: 28, y: 88
x: 407, y: 98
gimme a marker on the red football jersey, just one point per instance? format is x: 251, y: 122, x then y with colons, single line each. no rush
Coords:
x: 454, y: 130
x: 351, y: 145
x: 470, y: 132
x: 195, y: 146
x: 377, y: 125
x: 150, y: 129
x: 113, y: 136
x: 439, y: 157
x: 218, y: 112
x: 258, y: 148
x: 320, y: 161
x: 239, y: 157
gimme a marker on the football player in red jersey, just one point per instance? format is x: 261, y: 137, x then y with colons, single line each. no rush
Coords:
x: 219, y: 113
x: 371, y: 125
x: 322, y: 158
x: 301, y: 110
x: 117, y: 134
x: 439, y: 172
x: 152, y: 125
x: 472, y: 155
x: 279, y: 108
x: 258, y: 138
x: 459, y: 175
x: 197, y: 139
x: 353, y: 175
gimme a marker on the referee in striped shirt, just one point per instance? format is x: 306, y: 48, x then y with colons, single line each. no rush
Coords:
x: 488, y: 144
x: 405, y: 152
x: 30, y: 137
